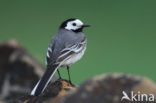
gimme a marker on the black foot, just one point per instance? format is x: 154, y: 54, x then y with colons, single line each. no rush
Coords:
x: 69, y: 75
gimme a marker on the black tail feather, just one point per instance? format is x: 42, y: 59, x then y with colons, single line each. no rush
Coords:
x: 44, y: 80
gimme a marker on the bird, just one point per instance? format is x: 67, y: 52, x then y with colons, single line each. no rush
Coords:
x: 66, y: 47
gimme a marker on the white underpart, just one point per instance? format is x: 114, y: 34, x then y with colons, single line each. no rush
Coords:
x: 71, y: 27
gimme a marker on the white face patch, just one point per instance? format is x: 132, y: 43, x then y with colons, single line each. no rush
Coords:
x: 74, y: 25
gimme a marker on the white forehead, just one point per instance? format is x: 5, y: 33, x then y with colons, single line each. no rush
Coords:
x: 70, y: 26
x: 78, y: 22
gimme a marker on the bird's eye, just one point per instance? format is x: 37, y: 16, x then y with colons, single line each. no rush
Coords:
x: 74, y: 24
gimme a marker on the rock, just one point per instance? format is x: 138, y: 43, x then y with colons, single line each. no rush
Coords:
x: 19, y: 71
x: 109, y: 89
x: 53, y: 93
x: 100, y: 89
x: 57, y: 90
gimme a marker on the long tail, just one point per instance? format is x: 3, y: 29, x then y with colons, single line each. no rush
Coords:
x: 43, y: 82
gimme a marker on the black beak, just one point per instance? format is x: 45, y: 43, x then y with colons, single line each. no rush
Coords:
x: 85, y: 25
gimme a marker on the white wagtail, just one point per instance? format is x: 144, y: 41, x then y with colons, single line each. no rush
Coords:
x: 66, y: 47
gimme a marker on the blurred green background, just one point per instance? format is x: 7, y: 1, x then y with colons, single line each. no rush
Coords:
x: 122, y: 36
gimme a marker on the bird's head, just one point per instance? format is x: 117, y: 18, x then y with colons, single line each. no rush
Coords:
x: 74, y: 25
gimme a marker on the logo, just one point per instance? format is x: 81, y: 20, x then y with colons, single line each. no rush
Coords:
x: 137, y: 97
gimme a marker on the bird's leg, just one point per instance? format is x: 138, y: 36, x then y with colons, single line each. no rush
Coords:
x: 69, y: 74
x: 59, y: 74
